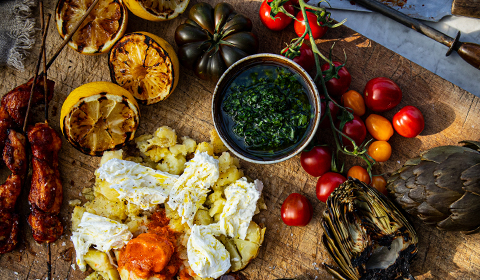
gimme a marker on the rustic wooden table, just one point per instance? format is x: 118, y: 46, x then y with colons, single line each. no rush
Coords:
x: 451, y: 115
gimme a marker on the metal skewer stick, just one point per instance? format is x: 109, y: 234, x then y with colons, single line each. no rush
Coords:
x: 67, y: 39
x: 45, y: 90
x: 36, y: 74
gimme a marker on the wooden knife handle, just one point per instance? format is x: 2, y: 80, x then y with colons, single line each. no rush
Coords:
x: 468, y: 8
x: 470, y: 52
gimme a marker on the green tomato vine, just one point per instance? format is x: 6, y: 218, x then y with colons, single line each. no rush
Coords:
x: 324, y: 19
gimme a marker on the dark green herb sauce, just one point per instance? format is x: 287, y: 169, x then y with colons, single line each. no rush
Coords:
x: 267, y: 108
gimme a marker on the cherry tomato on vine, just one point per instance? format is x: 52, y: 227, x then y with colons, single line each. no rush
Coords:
x: 327, y: 183
x: 281, y: 20
x: 354, y: 100
x: 306, y: 59
x: 337, y: 86
x: 299, y: 26
x: 334, y: 110
x: 356, y: 130
x: 359, y: 173
x: 409, y: 121
x: 379, y: 183
x: 317, y: 161
x: 382, y: 94
x: 379, y: 127
x: 380, y: 150
x: 296, y: 210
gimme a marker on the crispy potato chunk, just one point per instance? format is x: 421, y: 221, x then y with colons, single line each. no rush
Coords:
x: 108, y: 155
x: 103, y: 207
x: 190, y: 144
x: 77, y: 216
x: 202, y: 218
x: 218, y: 146
x: 231, y: 175
x: 205, y: 147
x: 173, y: 164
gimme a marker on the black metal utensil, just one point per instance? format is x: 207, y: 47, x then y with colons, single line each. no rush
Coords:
x: 470, y: 52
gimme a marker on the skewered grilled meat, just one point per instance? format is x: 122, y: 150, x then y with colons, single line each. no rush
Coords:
x: 14, y: 105
x: 15, y: 157
x: 46, y: 192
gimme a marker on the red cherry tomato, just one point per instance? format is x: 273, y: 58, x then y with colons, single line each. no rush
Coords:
x: 382, y: 94
x: 334, y: 110
x: 408, y: 122
x: 317, y: 161
x: 317, y: 30
x: 354, y: 100
x: 327, y: 183
x: 340, y: 85
x: 379, y: 183
x: 356, y: 130
x: 296, y: 210
x: 359, y: 173
x: 306, y: 59
x: 295, y: 2
x: 281, y: 20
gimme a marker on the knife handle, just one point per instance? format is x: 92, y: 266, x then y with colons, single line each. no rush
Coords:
x: 468, y: 8
x: 470, y: 52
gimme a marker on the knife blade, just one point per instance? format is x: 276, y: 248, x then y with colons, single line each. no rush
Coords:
x: 430, y: 10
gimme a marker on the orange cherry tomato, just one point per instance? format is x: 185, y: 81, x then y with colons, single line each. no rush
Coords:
x: 359, y: 173
x: 380, y: 151
x: 354, y: 100
x: 379, y: 127
x: 379, y: 183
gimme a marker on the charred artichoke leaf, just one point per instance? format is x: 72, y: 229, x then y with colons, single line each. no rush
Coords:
x: 440, y: 154
x: 366, y: 235
x: 448, y: 172
x: 443, y: 188
x: 474, y: 145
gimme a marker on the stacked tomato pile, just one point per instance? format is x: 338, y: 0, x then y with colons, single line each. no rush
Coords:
x: 380, y: 95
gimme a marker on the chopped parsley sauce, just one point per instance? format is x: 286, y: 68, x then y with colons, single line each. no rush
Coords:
x: 267, y: 108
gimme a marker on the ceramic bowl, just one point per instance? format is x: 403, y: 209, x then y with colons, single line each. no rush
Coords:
x: 244, y: 64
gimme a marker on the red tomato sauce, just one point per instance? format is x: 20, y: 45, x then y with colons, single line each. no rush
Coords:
x: 153, y: 253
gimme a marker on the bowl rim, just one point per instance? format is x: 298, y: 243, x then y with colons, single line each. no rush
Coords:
x: 310, y: 85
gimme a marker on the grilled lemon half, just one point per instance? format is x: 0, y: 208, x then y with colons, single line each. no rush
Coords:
x: 98, y: 117
x: 99, y: 31
x: 146, y: 65
x: 157, y: 10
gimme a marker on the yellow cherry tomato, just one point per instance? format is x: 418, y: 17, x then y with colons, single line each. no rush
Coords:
x: 354, y: 100
x: 379, y: 127
x: 379, y: 183
x: 359, y: 173
x: 380, y: 151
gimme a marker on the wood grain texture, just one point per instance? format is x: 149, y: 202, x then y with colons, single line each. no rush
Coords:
x: 468, y: 8
x: 451, y: 115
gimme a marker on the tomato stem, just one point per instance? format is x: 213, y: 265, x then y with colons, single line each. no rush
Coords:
x: 358, y: 150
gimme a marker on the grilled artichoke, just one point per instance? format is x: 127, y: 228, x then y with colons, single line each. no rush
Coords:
x: 366, y: 235
x: 442, y: 187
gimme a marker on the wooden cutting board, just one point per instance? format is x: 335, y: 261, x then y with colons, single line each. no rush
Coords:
x: 451, y: 115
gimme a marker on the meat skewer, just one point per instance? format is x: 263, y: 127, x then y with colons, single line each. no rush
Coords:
x: 14, y: 105
x: 46, y: 192
x: 15, y: 157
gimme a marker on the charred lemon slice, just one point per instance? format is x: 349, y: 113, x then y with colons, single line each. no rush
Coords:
x: 157, y: 10
x: 145, y: 65
x: 100, y: 30
x: 98, y: 117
